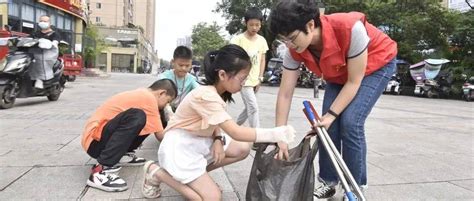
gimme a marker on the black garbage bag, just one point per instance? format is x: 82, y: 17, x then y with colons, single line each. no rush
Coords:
x: 292, y: 180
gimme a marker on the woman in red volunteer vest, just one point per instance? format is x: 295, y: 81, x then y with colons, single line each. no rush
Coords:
x: 356, y: 60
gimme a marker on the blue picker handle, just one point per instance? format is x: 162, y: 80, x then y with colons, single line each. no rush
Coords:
x: 350, y: 196
x: 308, y: 110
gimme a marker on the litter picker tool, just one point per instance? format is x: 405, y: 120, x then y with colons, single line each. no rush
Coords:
x: 336, y: 159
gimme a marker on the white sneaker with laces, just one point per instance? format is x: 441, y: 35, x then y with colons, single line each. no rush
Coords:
x: 107, y: 182
x: 324, y: 191
x: 130, y: 159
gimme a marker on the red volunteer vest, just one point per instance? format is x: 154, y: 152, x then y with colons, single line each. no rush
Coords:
x: 336, y: 36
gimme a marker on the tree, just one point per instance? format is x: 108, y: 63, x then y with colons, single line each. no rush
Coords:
x: 462, y: 42
x: 94, y: 44
x: 417, y: 26
x: 205, y: 37
x: 233, y: 11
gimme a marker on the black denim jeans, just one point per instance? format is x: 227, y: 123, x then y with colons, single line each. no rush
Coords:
x: 119, y: 136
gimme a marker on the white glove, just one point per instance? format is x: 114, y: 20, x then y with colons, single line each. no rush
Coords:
x: 279, y: 134
x: 168, y: 111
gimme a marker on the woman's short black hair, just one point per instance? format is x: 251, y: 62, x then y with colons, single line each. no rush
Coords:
x: 291, y: 15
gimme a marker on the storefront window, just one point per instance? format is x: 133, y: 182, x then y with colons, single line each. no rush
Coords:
x: 15, y: 24
x: 27, y: 12
x: 60, y: 22
x: 67, y: 23
x: 67, y: 36
x: 13, y: 9
x: 102, y: 62
x: 52, y: 19
x: 39, y: 13
x: 122, y: 63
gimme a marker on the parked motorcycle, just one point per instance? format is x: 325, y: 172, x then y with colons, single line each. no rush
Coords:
x: 306, y: 78
x: 393, y: 86
x: 468, y: 89
x: 15, y: 81
x: 424, y: 74
x: 272, y: 74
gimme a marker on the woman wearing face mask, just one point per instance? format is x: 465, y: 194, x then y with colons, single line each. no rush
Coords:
x: 42, y: 69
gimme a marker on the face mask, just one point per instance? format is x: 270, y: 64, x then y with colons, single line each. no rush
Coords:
x: 43, y: 25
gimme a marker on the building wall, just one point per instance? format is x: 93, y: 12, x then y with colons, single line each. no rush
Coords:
x: 459, y: 5
x: 119, y: 50
x: 126, y: 41
x: 146, y: 20
x: 115, y: 16
x: 118, y: 13
x: 4, y: 14
x: 108, y: 12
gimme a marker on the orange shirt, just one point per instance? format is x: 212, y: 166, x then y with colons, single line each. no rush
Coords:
x: 140, y: 98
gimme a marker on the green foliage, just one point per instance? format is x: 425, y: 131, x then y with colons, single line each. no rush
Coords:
x: 416, y: 25
x: 205, y: 37
x: 233, y: 11
x: 462, y: 41
x: 94, y: 44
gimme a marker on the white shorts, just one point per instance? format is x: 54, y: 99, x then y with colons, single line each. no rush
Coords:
x: 185, y: 156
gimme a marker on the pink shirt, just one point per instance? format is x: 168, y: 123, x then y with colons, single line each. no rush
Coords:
x: 200, y: 112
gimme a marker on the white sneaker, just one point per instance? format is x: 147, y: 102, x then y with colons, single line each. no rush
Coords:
x: 324, y: 191
x: 39, y: 84
x: 107, y: 182
x: 130, y: 159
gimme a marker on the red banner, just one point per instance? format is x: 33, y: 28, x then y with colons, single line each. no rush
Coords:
x: 73, y: 7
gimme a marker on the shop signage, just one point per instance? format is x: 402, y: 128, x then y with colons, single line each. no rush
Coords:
x: 123, y: 31
x: 73, y: 7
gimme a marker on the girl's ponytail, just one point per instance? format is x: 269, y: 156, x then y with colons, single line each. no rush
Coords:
x: 231, y: 59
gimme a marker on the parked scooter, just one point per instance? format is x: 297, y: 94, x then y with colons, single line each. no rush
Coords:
x: 272, y: 74
x: 468, y: 89
x: 424, y: 74
x: 306, y: 78
x: 393, y: 85
x: 15, y: 81
x: 438, y: 87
